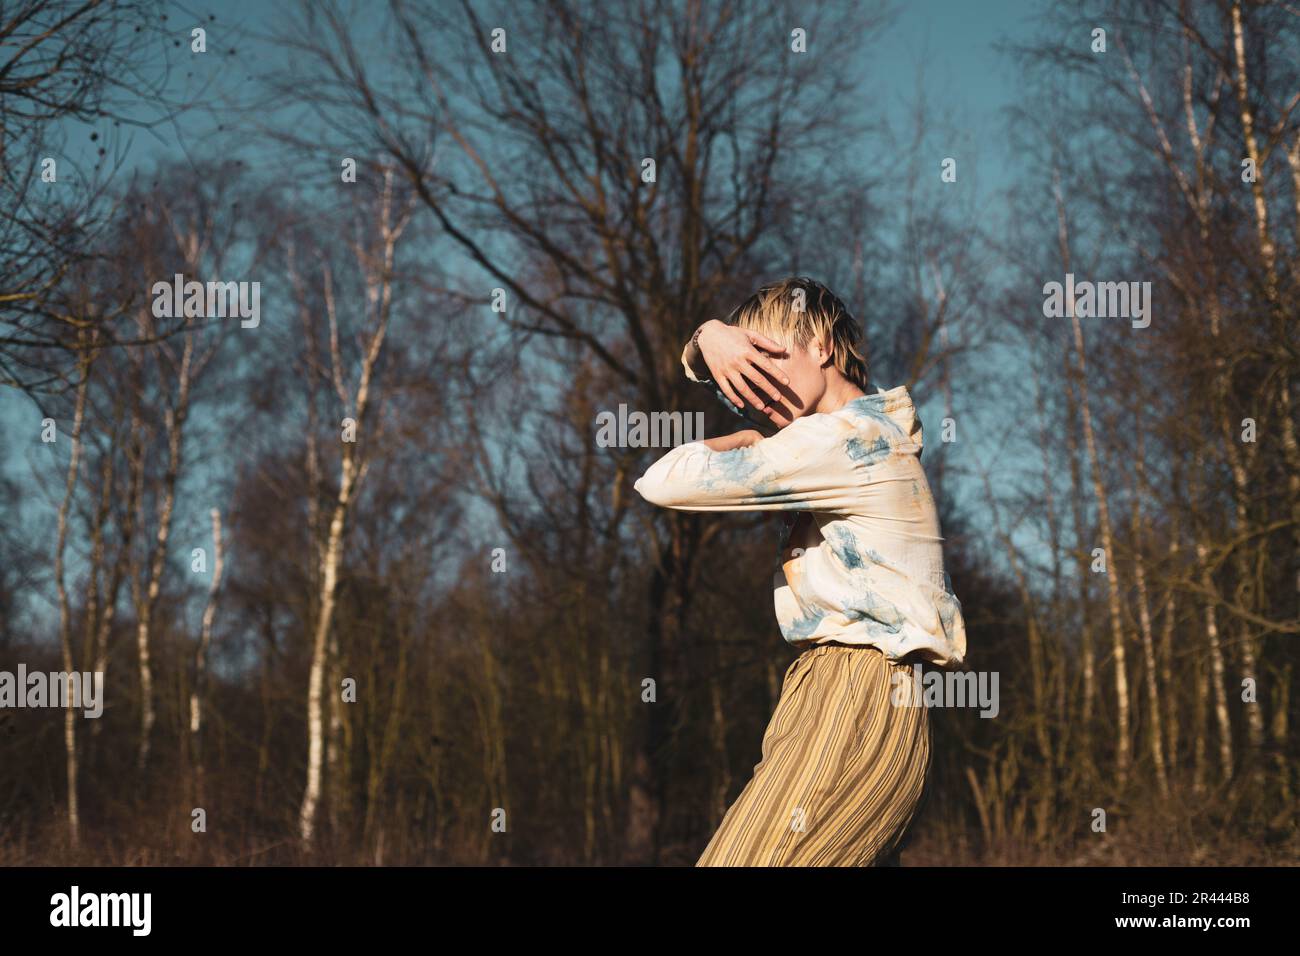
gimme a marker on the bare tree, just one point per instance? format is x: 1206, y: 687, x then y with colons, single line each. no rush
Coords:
x: 201, y: 654
x: 63, y: 63
x: 65, y: 610
x: 375, y: 258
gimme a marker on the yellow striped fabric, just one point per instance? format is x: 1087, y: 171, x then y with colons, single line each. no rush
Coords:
x: 842, y: 771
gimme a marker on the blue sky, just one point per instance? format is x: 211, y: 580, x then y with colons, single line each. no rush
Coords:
x: 950, y: 41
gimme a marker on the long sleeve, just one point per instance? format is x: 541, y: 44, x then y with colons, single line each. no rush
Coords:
x: 805, y: 466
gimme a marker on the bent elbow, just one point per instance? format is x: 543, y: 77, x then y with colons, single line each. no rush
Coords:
x: 656, y: 492
x: 673, y: 481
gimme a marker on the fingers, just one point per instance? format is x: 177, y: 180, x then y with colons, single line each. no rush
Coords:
x: 778, y: 419
x: 779, y: 415
x: 757, y: 338
x: 764, y: 364
x: 768, y: 386
x: 741, y: 385
x: 725, y: 388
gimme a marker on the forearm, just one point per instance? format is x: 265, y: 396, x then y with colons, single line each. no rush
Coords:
x: 728, y: 442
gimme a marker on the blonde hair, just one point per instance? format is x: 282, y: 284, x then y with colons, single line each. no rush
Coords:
x: 800, y: 309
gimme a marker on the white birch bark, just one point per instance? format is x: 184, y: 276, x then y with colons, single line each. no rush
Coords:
x: 147, y: 602
x: 65, y: 611
x: 199, y: 689
x: 1144, y: 622
x: 379, y: 273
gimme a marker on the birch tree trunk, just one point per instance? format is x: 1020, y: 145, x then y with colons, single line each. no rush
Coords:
x: 1198, y: 723
x: 1268, y: 257
x: 1217, y: 669
x: 379, y: 278
x: 1166, y: 663
x: 334, y: 774
x: 1144, y: 619
x: 199, y: 689
x: 147, y: 602
x: 1241, y: 86
x: 65, y: 611
x: 135, y: 477
x: 1087, y: 652
x: 315, y: 687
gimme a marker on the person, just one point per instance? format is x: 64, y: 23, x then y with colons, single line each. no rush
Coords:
x: 861, y: 590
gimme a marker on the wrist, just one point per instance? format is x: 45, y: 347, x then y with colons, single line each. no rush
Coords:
x: 700, y: 331
x: 693, y: 355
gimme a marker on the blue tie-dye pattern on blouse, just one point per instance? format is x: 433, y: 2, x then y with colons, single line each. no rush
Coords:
x: 872, y: 573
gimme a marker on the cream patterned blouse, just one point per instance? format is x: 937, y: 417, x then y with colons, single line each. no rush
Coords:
x: 862, y: 555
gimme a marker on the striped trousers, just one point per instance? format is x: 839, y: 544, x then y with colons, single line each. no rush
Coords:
x: 842, y: 772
